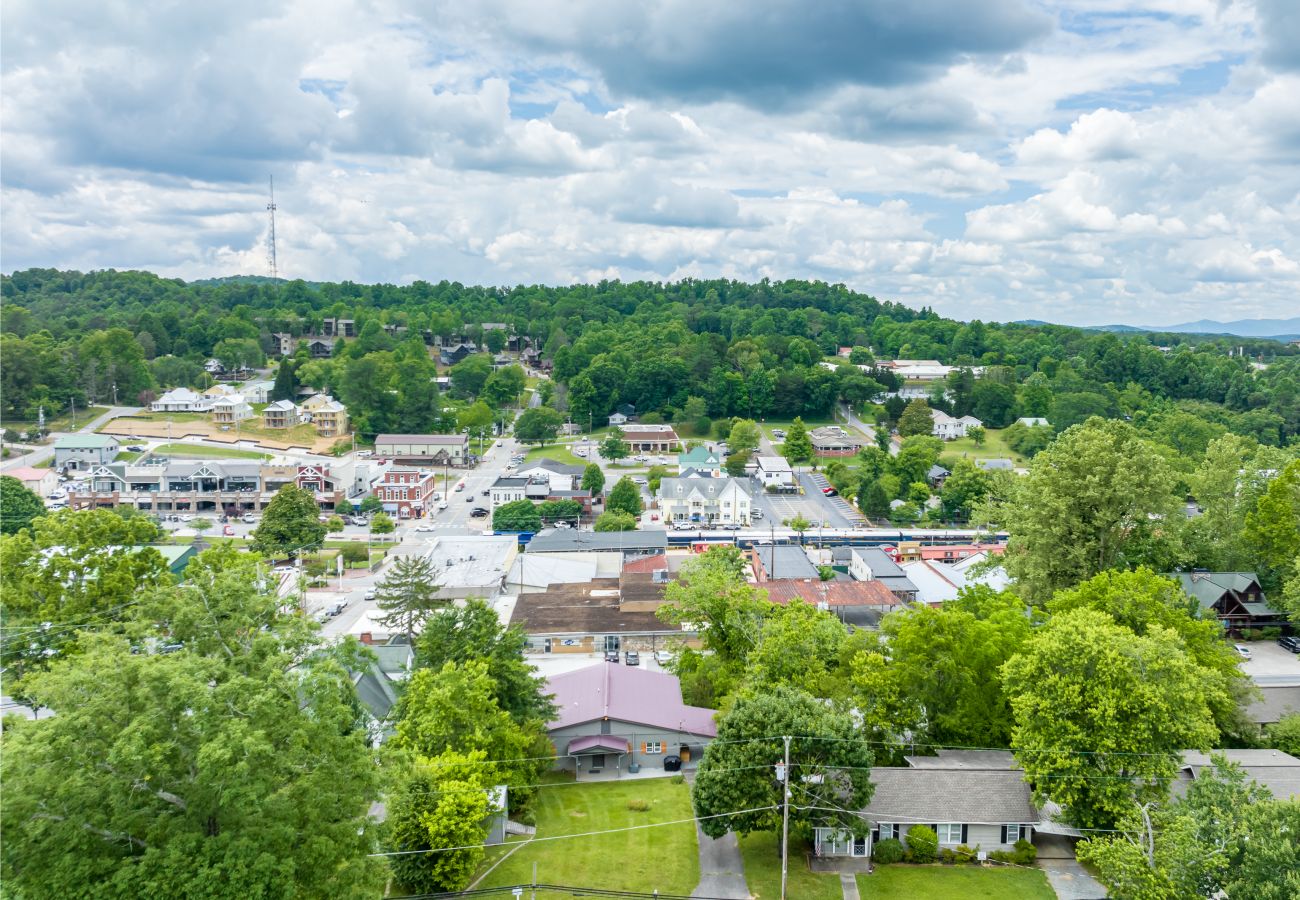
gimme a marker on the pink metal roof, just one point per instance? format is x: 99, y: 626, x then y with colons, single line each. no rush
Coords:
x: 628, y: 694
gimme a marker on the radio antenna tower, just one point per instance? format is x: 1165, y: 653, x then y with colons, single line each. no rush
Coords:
x: 270, y: 208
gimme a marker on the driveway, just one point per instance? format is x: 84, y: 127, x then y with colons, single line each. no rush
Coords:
x: 722, y: 871
x: 1068, y: 878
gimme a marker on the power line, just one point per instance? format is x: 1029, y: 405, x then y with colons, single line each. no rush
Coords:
x: 562, y: 837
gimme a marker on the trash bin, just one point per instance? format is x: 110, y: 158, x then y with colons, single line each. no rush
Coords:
x: 634, y: 767
x: 672, y: 764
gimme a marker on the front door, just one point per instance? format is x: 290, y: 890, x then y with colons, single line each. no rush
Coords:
x: 597, y: 762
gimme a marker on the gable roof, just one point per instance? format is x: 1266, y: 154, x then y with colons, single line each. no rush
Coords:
x: 551, y: 465
x: 966, y: 759
x: 969, y: 796
x: 628, y: 694
x: 699, y: 456
x: 85, y: 442
x: 1272, y: 769
x: 1208, y: 587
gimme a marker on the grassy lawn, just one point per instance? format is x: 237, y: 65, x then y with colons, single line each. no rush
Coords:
x: 178, y: 417
x: 197, y: 450
x: 761, y: 852
x: 557, y: 452
x: 665, y: 858
x: 128, y: 456
x: 994, y: 447
x: 955, y: 882
x: 784, y: 424
x: 61, y: 422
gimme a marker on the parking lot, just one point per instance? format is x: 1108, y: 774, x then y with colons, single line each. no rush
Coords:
x: 1269, y: 662
x: 811, y: 504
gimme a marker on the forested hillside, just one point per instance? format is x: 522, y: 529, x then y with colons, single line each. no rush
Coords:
x: 742, y: 349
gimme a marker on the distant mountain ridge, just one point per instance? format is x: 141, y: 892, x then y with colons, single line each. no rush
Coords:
x: 1278, y: 329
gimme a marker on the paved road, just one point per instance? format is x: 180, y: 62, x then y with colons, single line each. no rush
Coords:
x: 868, y: 431
x: 46, y: 451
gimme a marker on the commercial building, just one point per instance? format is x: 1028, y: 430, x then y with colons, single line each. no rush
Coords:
x: 424, y: 449
x: 774, y: 473
x: 651, y: 438
x: 84, y: 451
x: 407, y: 492
x: 707, y: 501
x: 832, y: 440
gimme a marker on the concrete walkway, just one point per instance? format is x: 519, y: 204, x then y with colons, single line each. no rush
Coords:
x: 1071, y: 880
x: 849, y: 885
x: 722, y: 871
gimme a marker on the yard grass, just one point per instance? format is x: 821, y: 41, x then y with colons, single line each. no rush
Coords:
x: 198, y: 450
x: 784, y: 424
x: 62, y: 422
x: 761, y: 852
x: 557, y: 452
x: 128, y: 456
x: 995, y: 447
x: 177, y: 417
x: 664, y: 859
x: 955, y: 882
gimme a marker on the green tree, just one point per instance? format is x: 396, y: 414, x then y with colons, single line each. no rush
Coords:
x: 1142, y: 601
x: 613, y: 447
x: 495, y: 339
x: 408, y: 595
x: 797, y: 446
x: 420, y: 408
x: 371, y: 504
x: 593, y: 479
x: 625, y: 497
x: 798, y: 525
x: 504, y: 386
x: 286, y: 381
x: 1284, y: 734
x: 800, y: 648
x: 381, y: 523
x: 737, y: 771
x: 711, y: 591
x: 539, y: 425
x: 695, y: 412
x: 1099, y: 497
x: 1268, y: 865
x: 872, y: 500
x: 470, y: 374
x: 1273, y: 528
x: 290, y: 525
x: 475, y: 420
x: 456, y: 708
x: 744, y: 437
x: 915, y: 456
x: 552, y: 511
x: 916, y: 419
x: 977, y: 434
x: 736, y: 462
x: 614, y: 520
x: 964, y: 487
x: 517, y: 515
x: 1102, y: 714
x: 435, y: 803
x: 334, y: 525
x: 18, y: 505
x: 474, y: 631
x: 942, y: 667
x: 196, y: 775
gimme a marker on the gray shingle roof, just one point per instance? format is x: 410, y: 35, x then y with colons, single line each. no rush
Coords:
x: 932, y: 796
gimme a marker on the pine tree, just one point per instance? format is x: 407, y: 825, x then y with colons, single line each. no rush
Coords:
x: 916, y: 419
x: 408, y: 594
x: 872, y: 500
x: 286, y: 381
x: 798, y: 446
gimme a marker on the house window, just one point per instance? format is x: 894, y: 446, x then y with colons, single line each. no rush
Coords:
x: 949, y: 833
x: 888, y: 831
x: 1013, y: 833
x: 654, y: 747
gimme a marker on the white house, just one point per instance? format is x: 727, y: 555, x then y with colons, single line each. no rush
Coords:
x: 948, y: 428
x: 774, y: 473
x: 258, y: 391
x: 721, y: 501
x: 232, y: 409
x: 617, y: 419
x: 181, y: 400
x: 1033, y: 422
x: 560, y: 476
x: 42, y: 482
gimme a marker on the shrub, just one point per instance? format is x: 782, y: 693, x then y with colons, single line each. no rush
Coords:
x: 1001, y: 856
x: 678, y: 778
x: 923, y: 842
x: 888, y: 851
x: 947, y: 857
x: 1024, y: 854
x: 1271, y: 633
x: 636, y: 804
x: 355, y: 553
x: 967, y: 854
x: 1250, y: 634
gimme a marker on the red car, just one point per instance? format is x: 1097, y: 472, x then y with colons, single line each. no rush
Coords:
x: 829, y: 491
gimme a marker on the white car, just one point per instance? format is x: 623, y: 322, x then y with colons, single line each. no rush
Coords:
x: 185, y: 517
x: 1243, y: 650
x: 426, y: 526
x: 442, y: 504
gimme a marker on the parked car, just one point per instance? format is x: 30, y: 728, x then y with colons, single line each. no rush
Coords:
x: 611, y: 656
x: 756, y: 514
x: 425, y: 525
x: 663, y: 657
x: 136, y: 448
x: 1289, y: 643
x: 460, y: 486
x: 632, y: 658
x: 830, y: 491
x: 488, y: 492
x: 442, y: 504
x: 370, y: 594
x: 228, y: 530
x: 478, y: 512
x: 1243, y: 650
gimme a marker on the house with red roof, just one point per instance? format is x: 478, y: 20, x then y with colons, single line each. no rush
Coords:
x: 619, y: 718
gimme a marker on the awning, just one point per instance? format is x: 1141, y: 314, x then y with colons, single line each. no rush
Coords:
x: 599, y: 743
x: 390, y: 507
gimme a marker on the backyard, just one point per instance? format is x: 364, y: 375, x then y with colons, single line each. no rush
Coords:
x: 664, y: 858
x: 994, y: 447
x: 955, y: 883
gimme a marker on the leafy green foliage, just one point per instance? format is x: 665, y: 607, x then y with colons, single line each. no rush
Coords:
x: 593, y: 479
x: 737, y: 772
x: 923, y: 843
x: 552, y: 511
x: 615, y: 520
x: 797, y: 446
x: 744, y: 437
x: 290, y: 525
x: 517, y: 515
x: 916, y: 420
x: 439, y: 802
x: 613, y: 447
x: 1102, y: 713
x: 382, y: 523
x: 1273, y: 528
x: 539, y: 425
x: 18, y: 505
x: 625, y: 497
x: 1098, y: 498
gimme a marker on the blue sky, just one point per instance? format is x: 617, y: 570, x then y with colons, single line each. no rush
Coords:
x: 1084, y: 162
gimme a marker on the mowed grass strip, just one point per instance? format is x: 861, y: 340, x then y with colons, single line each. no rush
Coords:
x: 665, y: 858
x: 762, y: 854
x: 955, y: 883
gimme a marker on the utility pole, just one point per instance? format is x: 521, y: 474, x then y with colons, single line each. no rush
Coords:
x: 785, y: 816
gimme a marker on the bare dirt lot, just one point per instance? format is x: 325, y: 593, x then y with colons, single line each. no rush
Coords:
x: 131, y: 426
